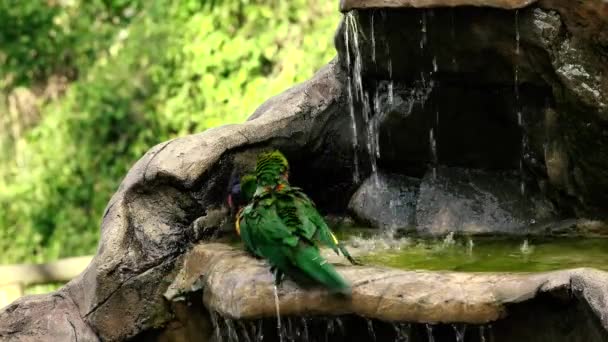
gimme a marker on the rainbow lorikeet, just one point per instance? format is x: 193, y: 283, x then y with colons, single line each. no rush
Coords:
x: 282, y: 225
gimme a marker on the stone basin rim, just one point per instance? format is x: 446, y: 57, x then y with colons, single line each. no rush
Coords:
x: 348, y: 5
x: 237, y: 286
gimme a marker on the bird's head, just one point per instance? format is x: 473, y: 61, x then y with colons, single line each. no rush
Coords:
x: 271, y: 168
x: 241, y: 191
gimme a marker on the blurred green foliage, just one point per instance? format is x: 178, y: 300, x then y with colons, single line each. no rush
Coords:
x: 144, y: 72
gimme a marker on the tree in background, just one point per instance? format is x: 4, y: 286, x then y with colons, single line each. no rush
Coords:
x: 140, y: 73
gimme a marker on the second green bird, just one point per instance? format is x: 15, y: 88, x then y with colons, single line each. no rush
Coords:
x: 282, y: 225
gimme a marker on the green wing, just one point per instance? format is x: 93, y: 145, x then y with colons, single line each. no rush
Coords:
x: 315, y: 226
x: 270, y: 236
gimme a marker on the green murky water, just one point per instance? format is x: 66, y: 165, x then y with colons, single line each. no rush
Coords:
x: 484, y: 254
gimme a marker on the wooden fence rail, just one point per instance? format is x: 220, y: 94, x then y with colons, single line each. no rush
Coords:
x: 15, y: 278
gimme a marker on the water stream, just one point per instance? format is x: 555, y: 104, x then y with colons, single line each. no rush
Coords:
x: 518, y: 108
x: 349, y: 22
x: 278, y: 312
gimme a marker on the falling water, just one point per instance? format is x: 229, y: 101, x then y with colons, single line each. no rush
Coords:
x: 243, y: 328
x: 277, y: 307
x: 304, y: 329
x: 429, y: 332
x: 459, y: 330
x: 370, y: 329
x: 433, y: 144
x: 482, y: 334
x: 518, y: 108
x: 329, y: 330
x: 230, y: 330
x: 340, y: 326
x: 453, y: 36
x: 402, y: 332
x: 373, y: 37
x: 423, y: 30
x: 390, y: 79
x: 356, y: 90
x: 351, y: 99
x: 259, y: 336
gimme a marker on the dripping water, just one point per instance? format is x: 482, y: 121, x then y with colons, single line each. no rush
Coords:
x: 518, y: 108
x: 259, y: 336
x: 482, y: 333
x: 370, y: 329
x: 433, y: 144
x: 390, y: 80
x: 459, y: 330
x: 429, y: 332
x: 245, y: 331
x: 373, y: 37
x: 453, y: 36
x: 402, y: 332
x: 278, y: 310
x: 340, y: 326
x: 423, y: 30
x: 304, y: 328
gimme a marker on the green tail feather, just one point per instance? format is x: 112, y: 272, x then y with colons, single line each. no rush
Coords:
x: 308, y: 260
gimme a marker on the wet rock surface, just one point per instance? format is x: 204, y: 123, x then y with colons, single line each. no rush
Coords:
x: 453, y: 200
x: 386, y: 201
x: 491, y: 89
x: 472, y: 201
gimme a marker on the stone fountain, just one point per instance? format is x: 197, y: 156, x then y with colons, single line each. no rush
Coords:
x: 478, y: 116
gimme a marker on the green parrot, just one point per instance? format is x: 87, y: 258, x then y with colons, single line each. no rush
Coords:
x: 282, y: 225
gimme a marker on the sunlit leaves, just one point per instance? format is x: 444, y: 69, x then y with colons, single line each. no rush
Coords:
x: 183, y: 67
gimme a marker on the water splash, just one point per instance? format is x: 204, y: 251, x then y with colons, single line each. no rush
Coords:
x: 525, y: 248
x: 379, y: 242
x: 278, y: 310
x: 435, y: 66
x: 449, y: 240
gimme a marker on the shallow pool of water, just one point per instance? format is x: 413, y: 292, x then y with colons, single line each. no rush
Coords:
x: 482, y: 254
